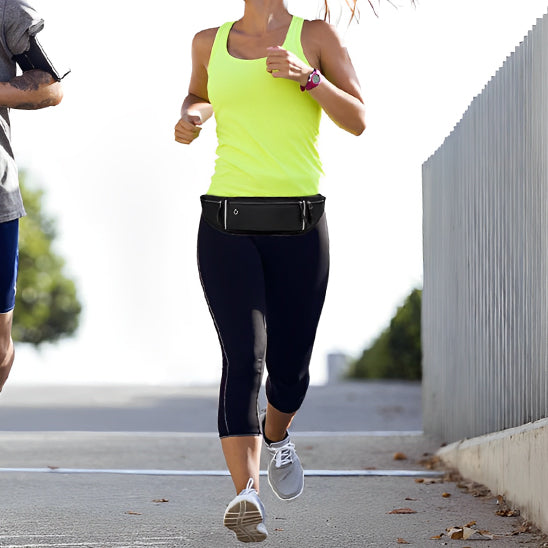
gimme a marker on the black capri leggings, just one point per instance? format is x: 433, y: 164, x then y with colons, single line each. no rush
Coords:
x: 265, y: 294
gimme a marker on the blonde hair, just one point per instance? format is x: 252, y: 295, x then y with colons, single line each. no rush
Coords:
x: 352, y: 5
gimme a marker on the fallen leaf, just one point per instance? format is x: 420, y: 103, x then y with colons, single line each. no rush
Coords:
x: 430, y: 462
x: 471, y: 524
x: 160, y: 500
x: 475, y: 489
x: 505, y: 510
x: 402, y: 511
x: 525, y: 527
x: 402, y: 541
x: 508, y: 513
x: 419, y: 480
x: 400, y: 456
x: 455, y: 533
x: 436, y: 537
x: 446, y: 495
x: 134, y: 513
x: 409, y: 498
x: 481, y: 535
x: 467, y: 533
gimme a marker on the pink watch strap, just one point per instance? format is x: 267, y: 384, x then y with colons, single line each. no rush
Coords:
x: 314, y: 80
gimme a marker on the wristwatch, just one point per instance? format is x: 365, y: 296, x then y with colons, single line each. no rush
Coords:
x: 314, y: 80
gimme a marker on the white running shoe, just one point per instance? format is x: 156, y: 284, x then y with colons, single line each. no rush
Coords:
x: 245, y: 516
x: 285, y: 471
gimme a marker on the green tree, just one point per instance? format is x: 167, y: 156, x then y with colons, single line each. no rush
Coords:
x: 46, y: 304
x: 397, y: 351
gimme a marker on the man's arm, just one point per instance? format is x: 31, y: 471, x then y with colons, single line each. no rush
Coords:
x: 33, y: 90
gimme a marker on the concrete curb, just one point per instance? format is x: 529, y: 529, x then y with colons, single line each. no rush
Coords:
x: 512, y: 463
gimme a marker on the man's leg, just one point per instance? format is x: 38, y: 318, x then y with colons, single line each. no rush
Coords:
x: 7, y: 352
x: 9, y: 235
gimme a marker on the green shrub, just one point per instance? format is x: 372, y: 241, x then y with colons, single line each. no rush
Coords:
x: 396, y: 353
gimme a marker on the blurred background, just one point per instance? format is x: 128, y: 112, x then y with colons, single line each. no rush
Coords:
x: 113, y: 200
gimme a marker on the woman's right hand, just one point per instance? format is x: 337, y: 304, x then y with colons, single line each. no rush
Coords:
x: 188, y: 128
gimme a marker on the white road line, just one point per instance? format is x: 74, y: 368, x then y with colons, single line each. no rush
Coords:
x: 212, y: 473
x: 156, y: 542
x: 153, y: 543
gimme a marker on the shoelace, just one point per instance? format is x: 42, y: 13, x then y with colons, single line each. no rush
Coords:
x: 249, y: 487
x: 284, y: 455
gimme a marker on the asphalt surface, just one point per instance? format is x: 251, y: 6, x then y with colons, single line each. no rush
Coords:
x: 339, y: 407
x: 121, y: 467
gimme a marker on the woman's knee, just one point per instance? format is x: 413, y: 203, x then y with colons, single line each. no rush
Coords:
x: 237, y: 414
x: 287, y: 397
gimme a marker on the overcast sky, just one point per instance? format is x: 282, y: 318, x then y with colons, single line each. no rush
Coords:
x: 125, y: 195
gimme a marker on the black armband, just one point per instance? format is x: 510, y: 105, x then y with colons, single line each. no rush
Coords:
x: 35, y: 58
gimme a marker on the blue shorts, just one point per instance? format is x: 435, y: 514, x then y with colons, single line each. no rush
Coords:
x: 9, y: 258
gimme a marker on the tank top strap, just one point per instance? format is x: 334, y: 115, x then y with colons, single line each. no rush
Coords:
x: 293, y: 39
x: 220, y: 44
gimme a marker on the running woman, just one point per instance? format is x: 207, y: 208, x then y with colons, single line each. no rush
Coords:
x: 263, y: 251
x: 38, y: 87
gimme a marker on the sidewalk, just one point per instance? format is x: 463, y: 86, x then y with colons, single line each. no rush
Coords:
x: 102, y: 489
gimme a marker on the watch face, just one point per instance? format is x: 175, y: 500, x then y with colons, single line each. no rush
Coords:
x: 316, y: 79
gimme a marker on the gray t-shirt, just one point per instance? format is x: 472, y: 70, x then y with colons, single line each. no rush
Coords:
x: 18, y: 21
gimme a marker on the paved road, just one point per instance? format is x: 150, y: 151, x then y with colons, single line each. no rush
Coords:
x: 110, y: 497
x: 345, y: 406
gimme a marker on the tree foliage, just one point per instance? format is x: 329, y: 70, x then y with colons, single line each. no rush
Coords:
x: 46, y: 304
x: 397, y: 351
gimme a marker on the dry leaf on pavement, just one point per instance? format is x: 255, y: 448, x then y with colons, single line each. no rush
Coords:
x: 402, y: 541
x: 505, y: 510
x: 400, y: 456
x: 403, y: 511
x: 467, y: 533
x: 455, y: 533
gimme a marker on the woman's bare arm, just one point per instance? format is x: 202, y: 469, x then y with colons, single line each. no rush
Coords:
x: 339, y: 93
x: 196, y: 107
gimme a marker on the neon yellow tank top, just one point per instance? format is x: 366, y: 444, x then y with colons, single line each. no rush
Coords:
x: 267, y: 129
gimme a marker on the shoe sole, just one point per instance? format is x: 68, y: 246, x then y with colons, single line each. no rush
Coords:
x: 243, y: 518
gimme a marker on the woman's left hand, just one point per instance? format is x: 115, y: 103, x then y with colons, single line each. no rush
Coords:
x: 284, y: 64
